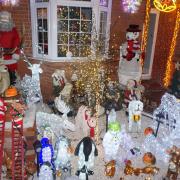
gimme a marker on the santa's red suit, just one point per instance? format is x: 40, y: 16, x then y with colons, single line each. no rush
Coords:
x: 10, y: 40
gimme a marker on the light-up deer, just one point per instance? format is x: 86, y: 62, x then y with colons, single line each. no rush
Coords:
x: 34, y: 80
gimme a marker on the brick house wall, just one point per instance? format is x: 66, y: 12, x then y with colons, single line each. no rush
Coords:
x: 119, y: 23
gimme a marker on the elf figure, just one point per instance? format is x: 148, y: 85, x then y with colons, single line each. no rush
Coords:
x: 129, y: 64
x: 9, y: 44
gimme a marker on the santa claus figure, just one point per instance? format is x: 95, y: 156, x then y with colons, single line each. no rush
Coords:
x: 129, y: 65
x: 9, y: 44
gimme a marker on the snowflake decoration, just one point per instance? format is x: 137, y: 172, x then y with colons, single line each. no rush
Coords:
x: 131, y: 6
x: 9, y: 2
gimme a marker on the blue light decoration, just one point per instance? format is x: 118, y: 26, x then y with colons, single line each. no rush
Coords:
x: 46, y: 153
x: 131, y: 6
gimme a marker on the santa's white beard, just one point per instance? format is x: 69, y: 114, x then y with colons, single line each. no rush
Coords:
x: 6, y: 27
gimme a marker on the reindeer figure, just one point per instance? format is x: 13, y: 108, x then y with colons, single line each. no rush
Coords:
x: 36, y: 70
x: 31, y: 85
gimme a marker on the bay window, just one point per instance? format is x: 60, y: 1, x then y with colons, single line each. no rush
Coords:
x: 66, y: 25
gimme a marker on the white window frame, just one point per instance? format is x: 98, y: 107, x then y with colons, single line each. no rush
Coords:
x: 146, y: 76
x: 52, y: 24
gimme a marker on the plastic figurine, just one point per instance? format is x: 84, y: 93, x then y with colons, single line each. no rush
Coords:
x: 135, y: 110
x: 85, y: 123
x: 46, y: 172
x: 129, y: 64
x: 86, y: 150
x: 62, y: 156
x: 46, y: 153
x: 9, y: 43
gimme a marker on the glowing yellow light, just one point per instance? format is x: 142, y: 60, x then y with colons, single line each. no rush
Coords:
x: 165, y: 5
x: 146, y: 28
x: 168, y: 72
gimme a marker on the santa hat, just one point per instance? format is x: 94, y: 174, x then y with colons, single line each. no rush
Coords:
x: 133, y: 28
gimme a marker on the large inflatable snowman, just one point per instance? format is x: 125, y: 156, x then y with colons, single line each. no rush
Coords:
x: 129, y: 65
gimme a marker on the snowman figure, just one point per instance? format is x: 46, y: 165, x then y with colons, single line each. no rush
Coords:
x: 46, y: 172
x: 111, y: 141
x: 129, y: 65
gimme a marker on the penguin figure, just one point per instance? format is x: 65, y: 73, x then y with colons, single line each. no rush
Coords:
x: 86, y: 150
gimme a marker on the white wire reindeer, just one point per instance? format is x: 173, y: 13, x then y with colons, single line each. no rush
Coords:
x: 32, y: 83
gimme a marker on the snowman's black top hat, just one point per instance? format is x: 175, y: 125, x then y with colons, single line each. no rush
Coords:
x: 133, y: 28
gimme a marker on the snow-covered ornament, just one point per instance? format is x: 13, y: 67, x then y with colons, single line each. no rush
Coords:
x: 131, y: 6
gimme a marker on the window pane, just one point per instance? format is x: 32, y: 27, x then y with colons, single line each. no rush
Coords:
x: 103, y: 22
x: 62, y: 49
x: 102, y: 35
x: 62, y: 38
x: 85, y: 39
x: 86, y: 13
x: 42, y: 26
x: 45, y: 25
x: 104, y: 3
x: 84, y: 51
x: 40, y: 37
x: 74, y: 38
x: 74, y: 26
x: 74, y: 50
x: 86, y: 26
x: 62, y: 26
x: 74, y: 13
x: 62, y: 12
x: 45, y: 37
x: 45, y: 48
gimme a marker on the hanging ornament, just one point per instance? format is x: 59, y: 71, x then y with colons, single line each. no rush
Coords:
x: 131, y: 6
x: 9, y: 2
x: 165, y: 5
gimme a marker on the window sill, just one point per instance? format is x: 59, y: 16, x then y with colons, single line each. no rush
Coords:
x: 65, y: 59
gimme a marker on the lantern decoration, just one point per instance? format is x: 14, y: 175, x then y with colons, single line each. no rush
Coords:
x: 131, y: 6
x: 9, y: 2
x: 165, y: 5
x: 149, y: 158
x: 148, y: 131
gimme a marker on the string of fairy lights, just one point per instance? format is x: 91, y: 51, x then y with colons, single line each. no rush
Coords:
x: 169, y: 66
x: 146, y: 28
